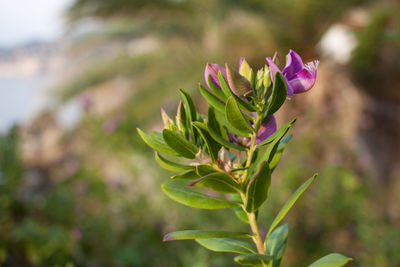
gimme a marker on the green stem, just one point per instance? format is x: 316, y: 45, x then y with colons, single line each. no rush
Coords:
x: 251, y: 215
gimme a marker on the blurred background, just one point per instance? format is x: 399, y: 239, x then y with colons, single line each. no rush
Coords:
x: 79, y: 188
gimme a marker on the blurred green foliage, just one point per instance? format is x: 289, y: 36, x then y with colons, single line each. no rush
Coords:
x: 91, y: 218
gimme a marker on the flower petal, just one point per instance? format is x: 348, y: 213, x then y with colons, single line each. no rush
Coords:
x: 273, y: 68
x: 305, y: 79
x: 212, y: 71
x: 266, y: 129
x: 294, y: 64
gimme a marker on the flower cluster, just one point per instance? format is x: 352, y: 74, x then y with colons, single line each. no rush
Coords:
x: 299, y: 78
x: 233, y: 150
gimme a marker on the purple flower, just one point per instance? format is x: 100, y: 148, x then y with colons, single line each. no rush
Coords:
x: 212, y: 71
x: 265, y: 131
x: 299, y: 77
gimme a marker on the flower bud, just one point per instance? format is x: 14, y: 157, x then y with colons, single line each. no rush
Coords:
x: 168, y: 123
x: 239, y: 84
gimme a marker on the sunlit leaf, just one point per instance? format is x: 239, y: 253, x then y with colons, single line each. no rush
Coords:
x: 171, y: 166
x: 180, y: 144
x: 253, y: 259
x: 188, y: 197
x: 212, y: 99
x: 331, y: 260
x: 156, y: 144
x: 200, y: 234
x: 236, y: 118
x: 187, y: 175
x: 226, y: 245
x: 218, y: 181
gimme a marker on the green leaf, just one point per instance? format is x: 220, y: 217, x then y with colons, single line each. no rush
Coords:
x: 276, y: 244
x: 204, y: 169
x: 226, y: 245
x: 258, y: 188
x: 278, y: 154
x: 214, y: 131
x: 185, y: 196
x: 191, y: 113
x: 181, y: 120
x: 222, y: 123
x: 212, y: 99
x: 180, y: 144
x: 253, y: 259
x: 156, y: 143
x: 331, y: 260
x: 236, y: 118
x: 218, y: 181
x: 279, y: 94
x: 218, y: 92
x: 200, y: 234
x: 187, y: 175
x: 189, y: 105
x: 224, y: 85
x: 277, y: 133
x: 239, y: 212
x: 273, y: 147
x: 289, y: 203
x: 212, y: 146
x: 171, y: 166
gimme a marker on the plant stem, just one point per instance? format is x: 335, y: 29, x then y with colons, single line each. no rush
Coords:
x: 251, y: 215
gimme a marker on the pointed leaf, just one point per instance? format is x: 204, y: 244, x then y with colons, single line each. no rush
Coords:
x: 279, y: 93
x: 224, y: 85
x: 212, y: 145
x: 200, y: 234
x: 218, y: 181
x: 258, y: 188
x: 276, y: 244
x: 171, y: 166
x: 190, y: 112
x: 226, y: 245
x: 277, y: 133
x: 278, y: 154
x: 185, y: 196
x: 187, y: 175
x: 218, y: 92
x: 156, y: 144
x: 253, y: 259
x: 212, y: 99
x: 204, y: 169
x: 213, y: 129
x: 189, y: 105
x: 236, y: 118
x: 180, y: 144
x: 219, y: 121
x: 289, y: 203
x: 239, y: 212
x: 331, y: 260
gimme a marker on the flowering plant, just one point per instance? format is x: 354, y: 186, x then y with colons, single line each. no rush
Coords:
x: 234, y: 151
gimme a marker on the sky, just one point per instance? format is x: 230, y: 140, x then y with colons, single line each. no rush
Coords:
x: 22, y: 21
